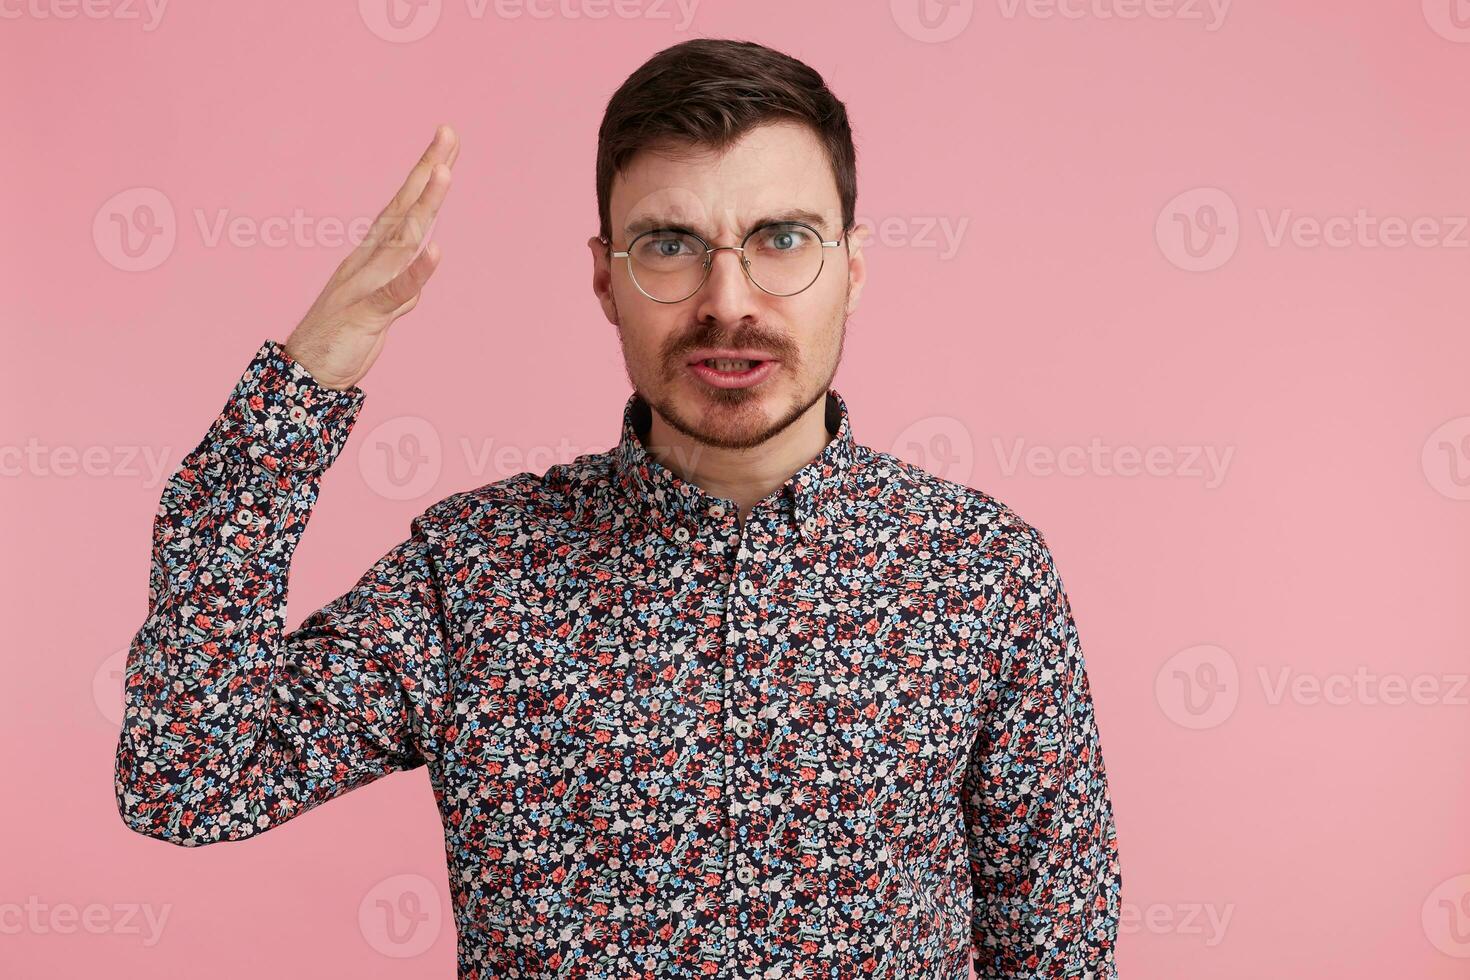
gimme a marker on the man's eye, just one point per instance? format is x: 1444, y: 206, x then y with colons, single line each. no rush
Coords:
x: 666, y: 247
x: 785, y: 238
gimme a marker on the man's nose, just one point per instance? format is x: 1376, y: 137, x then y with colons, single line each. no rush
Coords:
x: 728, y: 294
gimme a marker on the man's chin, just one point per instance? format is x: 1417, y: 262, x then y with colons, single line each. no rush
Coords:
x: 718, y: 417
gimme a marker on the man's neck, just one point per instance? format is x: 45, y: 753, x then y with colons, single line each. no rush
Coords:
x: 745, y: 476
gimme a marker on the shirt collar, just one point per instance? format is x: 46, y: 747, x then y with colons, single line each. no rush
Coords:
x: 810, y: 498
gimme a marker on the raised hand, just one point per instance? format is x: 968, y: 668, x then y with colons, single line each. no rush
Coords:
x: 340, y: 337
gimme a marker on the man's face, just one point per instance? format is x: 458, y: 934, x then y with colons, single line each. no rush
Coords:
x: 773, y: 170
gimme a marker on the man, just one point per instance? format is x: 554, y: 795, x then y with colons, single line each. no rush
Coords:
x: 740, y: 697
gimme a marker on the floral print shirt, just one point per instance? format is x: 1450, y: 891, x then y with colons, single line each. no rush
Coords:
x: 848, y: 737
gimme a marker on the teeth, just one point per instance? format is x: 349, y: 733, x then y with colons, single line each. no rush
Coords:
x: 722, y: 364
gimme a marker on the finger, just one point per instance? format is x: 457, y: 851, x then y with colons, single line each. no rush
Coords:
x: 443, y: 148
x: 432, y: 263
x: 401, y: 293
x: 395, y: 250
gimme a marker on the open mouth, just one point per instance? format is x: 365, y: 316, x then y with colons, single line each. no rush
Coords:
x: 729, y: 365
x: 732, y: 372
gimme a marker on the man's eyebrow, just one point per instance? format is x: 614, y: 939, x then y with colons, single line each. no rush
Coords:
x: 656, y: 222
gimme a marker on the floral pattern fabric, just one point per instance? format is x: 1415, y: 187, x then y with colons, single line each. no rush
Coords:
x: 849, y: 737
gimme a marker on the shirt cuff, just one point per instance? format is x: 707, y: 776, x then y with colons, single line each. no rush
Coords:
x: 282, y: 418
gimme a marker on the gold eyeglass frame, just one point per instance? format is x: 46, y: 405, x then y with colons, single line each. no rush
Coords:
x: 709, y: 260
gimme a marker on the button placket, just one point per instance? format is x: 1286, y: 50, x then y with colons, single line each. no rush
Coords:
x: 733, y: 723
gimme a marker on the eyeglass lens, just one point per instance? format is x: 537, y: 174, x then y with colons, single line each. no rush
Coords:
x: 780, y: 258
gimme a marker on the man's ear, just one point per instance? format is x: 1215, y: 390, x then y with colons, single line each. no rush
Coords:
x: 857, y: 265
x: 602, y: 278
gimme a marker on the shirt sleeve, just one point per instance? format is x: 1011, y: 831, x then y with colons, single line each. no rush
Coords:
x: 232, y: 726
x: 1042, y: 842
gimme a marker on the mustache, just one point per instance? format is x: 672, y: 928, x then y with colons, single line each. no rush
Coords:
x: 777, y: 345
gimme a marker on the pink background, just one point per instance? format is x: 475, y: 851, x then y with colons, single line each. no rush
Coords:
x: 1264, y: 832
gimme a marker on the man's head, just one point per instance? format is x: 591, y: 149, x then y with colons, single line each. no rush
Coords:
x: 714, y: 138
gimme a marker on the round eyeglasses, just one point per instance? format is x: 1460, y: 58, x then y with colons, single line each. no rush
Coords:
x: 669, y: 266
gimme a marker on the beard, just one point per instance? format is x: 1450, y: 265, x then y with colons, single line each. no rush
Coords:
x: 727, y: 427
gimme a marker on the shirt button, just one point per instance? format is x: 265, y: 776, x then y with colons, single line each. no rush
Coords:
x: 809, y: 525
x: 747, y: 587
x: 717, y: 510
x: 742, y: 727
x: 681, y: 534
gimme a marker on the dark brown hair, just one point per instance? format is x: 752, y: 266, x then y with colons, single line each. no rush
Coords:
x: 708, y: 92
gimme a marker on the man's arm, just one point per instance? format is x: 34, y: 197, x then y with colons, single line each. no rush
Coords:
x: 232, y: 726
x: 229, y: 726
x: 1042, y: 842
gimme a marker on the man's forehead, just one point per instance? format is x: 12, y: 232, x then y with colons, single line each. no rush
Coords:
x: 695, y: 216
x: 775, y: 169
x: 715, y: 206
